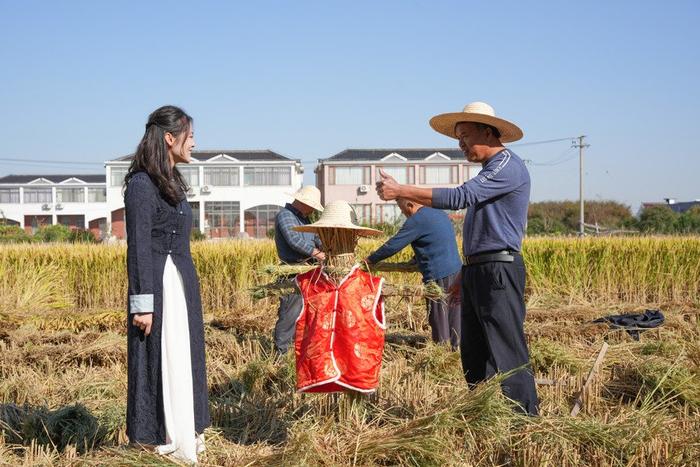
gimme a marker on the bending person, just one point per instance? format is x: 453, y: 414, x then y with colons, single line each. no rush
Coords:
x: 429, y: 232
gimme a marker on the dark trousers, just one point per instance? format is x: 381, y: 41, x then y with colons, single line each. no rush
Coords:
x: 493, y: 340
x: 287, y: 314
x: 444, y: 315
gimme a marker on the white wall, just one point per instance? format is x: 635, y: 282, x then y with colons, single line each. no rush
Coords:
x: 17, y: 211
x: 247, y: 196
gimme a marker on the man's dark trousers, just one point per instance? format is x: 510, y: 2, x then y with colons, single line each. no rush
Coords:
x: 444, y: 315
x: 287, y: 314
x: 493, y: 339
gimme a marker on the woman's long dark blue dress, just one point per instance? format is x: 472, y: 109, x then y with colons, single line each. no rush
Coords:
x: 156, y: 229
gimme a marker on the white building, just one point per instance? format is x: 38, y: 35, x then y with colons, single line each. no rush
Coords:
x: 226, y: 186
x: 232, y: 193
x: 32, y: 201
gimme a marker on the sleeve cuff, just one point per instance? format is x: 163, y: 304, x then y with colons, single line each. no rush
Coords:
x: 439, y: 200
x: 141, y: 303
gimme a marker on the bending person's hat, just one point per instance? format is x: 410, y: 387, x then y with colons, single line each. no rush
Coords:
x: 337, y: 215
x: 476, y: 112
x: 310, y: 196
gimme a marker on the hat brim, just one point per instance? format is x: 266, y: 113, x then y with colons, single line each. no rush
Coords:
x: 445, y: 124
x: 315, y: 227
x: 308, y: 202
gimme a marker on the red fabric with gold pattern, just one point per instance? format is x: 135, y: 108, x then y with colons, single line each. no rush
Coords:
x: 339, y: 338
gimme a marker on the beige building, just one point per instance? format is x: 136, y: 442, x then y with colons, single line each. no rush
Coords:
x: 351, y: 176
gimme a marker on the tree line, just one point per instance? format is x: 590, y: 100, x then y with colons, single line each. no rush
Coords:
x: 562, y: 218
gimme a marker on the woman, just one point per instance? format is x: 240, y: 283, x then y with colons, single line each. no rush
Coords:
x: 167, y: 405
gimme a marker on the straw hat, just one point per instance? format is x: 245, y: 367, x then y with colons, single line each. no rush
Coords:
x: 310, y: 196
x: 337, y: 215
x: 477, y: 112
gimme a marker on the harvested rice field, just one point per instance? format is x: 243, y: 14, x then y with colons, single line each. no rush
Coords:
x: 63, y: 366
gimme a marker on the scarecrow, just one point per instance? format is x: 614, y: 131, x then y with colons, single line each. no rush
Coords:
x: 339, y: 338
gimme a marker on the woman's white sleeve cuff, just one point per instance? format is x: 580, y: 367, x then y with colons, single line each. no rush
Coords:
x: 141, y: 303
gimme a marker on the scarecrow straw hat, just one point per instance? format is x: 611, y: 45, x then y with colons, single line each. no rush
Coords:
x: 476, y: 112
x: 310, y: 196
x: 337, y: 215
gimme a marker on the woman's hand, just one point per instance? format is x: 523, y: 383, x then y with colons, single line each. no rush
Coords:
x: 144, y: 321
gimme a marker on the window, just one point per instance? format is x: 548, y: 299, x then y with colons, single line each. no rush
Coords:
x: 37, y: 195
x: 97, y: 195
x: 389, y: 213
x: 222, y: 218
x: 194, y: 205
x: 349, y: 175
x: 259, y: 220
x: 117, y: 175
x: 72, y: 221
x: 363, y: 213
x: 470, y: 171
x: 9, y: 195
x: 36, y: 222
x: 401, y: 173
x: 221, y: 176
x: 439, y: 174
x: 70, y: 195
x: 189, y: 174
x: 265, y: 176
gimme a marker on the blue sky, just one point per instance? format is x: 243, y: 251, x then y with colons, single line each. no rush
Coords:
x: 309, y: 79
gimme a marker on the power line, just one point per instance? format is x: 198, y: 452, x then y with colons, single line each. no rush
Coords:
x: 37, y: 161
x: 565, y: 156
x: 54, y: 162
x: 547, y: 141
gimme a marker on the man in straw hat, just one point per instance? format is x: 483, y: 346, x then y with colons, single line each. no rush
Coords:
x: 493, y: 276
x: 295, y: 247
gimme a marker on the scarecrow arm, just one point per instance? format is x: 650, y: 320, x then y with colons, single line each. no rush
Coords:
x: 288, y: 285
x: 292, y: 269
x: 428, y: 290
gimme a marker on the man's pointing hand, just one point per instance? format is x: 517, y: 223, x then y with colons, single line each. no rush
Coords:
x: 387, y: 187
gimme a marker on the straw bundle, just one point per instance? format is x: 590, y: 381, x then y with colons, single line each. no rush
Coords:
x: 293, y: 269
x: 430, y: 290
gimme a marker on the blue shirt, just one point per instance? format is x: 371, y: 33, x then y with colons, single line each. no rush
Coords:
x: 430, y: 233
x: 293, y: 246
x: 497, y: 201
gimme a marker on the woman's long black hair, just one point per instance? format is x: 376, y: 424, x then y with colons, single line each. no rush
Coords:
x: 152, y: 153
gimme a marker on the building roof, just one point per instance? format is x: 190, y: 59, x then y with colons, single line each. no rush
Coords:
x: 676, y: 206
x: 244, y: 155
x: 408, y: 154
x: 683, y: 206
x: 23, y: 179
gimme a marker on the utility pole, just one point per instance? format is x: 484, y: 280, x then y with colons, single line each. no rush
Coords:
x: 580, y: 145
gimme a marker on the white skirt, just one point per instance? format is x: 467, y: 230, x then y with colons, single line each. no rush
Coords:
x: 178, y: 401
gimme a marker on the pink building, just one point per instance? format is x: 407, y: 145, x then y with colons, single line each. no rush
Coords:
x: 351, y: 175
